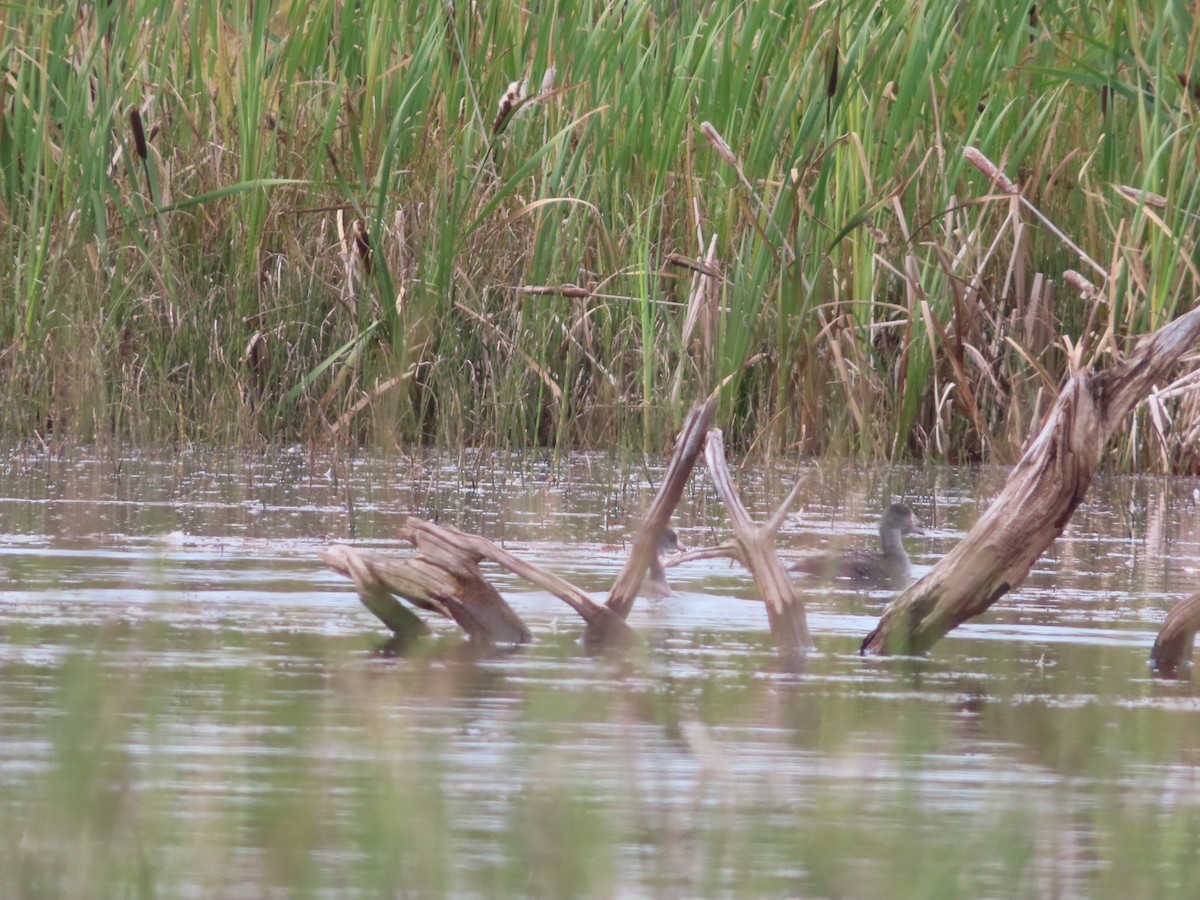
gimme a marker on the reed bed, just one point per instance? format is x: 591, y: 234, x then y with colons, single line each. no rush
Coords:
x: 499, y: 225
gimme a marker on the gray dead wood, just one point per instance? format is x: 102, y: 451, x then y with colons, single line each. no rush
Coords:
x: 645, y: 542
x: 1037, y: 502
x: 1171, y: 656
x: 358, y: 566
x: 440, y: 579
x: 604, y: 626
x: 444, y: 578
x: 755, y: 549
x: 727, y: 550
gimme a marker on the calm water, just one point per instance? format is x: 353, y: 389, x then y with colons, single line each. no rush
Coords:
x: 191, y: 705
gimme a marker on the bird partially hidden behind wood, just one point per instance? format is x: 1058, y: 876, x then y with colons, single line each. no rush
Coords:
x: 888, y: 569
x: 654, y: 585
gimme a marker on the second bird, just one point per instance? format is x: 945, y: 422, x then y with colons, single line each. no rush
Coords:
x: 887, y: 569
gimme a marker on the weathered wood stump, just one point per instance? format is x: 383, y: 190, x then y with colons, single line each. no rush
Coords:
x: 444, y: 578
x: 369, y: 574
x: 754, y: 547
x: 1035, y: 505
x: 1171, y: 656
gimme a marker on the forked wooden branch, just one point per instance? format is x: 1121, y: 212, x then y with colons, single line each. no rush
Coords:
x: 359, y: 567
x: 756, y: 551
x: 1035, y: 505
x: 604, y: 625
x: 727, y: 550
x: 444, y: 578
x: 645, y: 543
x: 1172, y: 652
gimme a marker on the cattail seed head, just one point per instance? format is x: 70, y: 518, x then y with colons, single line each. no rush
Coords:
x: 139, y: 135
x: 990, y: 169
x: 513, y: 95
x: 718, y: 142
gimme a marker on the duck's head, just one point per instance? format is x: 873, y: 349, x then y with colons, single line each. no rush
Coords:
x: 668, y: 542
x: 898, y: 517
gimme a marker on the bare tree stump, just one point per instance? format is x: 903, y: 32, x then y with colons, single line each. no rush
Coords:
x: 604, y: 626
x: 1037, y: 502
x: 444, y: 576
x: 1172, y: 652
x: 755, y: 547
x: 377, y: 598
x: 444, y: 580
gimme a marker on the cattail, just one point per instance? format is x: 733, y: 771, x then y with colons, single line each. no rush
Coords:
x: 989, y: 168
x: 548, y: 81
x: 512, y: 97
x: 139, y: 136
x: 1081, y: 284
x: 1189, y: 85
x: 718, y: 142
x: 832, y: 68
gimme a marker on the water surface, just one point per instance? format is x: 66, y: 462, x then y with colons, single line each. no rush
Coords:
x: 190, y: 704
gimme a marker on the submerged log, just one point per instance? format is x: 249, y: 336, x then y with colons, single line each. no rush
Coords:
x: 755, y: 549
x: 605, y: 627
x: 377, y: 598
x: 1171, y: 655
x: 444, y: 580
x: 444, y: 577
x: 1037, y: 502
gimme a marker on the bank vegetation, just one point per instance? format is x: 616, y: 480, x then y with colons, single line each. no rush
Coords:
x: 506, y: 225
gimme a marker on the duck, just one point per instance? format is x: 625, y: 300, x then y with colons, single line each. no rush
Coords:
x: 866, y: 569
x: 654, y: 585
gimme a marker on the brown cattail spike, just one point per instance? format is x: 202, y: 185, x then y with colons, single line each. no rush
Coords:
x: 139, y: 135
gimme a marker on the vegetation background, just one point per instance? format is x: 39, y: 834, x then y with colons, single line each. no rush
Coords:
x: 241, y: 222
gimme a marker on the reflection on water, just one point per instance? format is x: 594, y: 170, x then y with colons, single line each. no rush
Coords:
x: 190, y: 696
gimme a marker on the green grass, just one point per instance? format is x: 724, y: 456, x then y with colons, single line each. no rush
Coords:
x: 874, y: 297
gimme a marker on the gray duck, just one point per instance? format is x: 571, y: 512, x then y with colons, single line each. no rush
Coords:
x: 888, y: 569
x: 654, y: 585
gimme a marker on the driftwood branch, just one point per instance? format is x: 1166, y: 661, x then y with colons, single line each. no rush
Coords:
x: 1172, y: 652
x: 425, y: 536
x: 645, y: 543
x: 756, y: 550
x: 727, y: 550
x: 444, y: 578
x: 1035, y: 505
x: 361, y: 568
